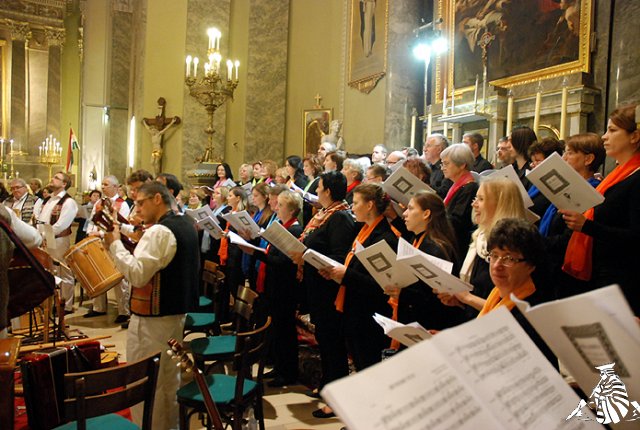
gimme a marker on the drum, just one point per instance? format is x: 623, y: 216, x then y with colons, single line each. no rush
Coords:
x: 92, y: 266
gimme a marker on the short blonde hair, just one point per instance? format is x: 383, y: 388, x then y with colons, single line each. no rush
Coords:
x: 292, y: 200
x: 505, y: 195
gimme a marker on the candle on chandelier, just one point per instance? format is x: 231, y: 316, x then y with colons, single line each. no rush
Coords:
x: 509, y: 111
x: 217, y: 58
x: 444, y: 102
x: 1, y: 148
x: 195, y: 67
x: 188, y: 74
x: 453, y: 99
x: 563, y: 111
x: 237, y: 64
x: 229, y: 70
x: 536, y: 112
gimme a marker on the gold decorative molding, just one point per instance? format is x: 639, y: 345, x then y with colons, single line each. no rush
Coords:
x: 19, y: 30
x: 366, y: 85
x: 42, y: 11
x: 54, y: 36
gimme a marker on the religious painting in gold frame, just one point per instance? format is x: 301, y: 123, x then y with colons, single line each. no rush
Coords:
x: 368, y: 43
x: 533, y: 40
x: 315, y: 124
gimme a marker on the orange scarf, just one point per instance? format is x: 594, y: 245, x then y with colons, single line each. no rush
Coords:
x: 578, y: 257
x: 364, y: 234
x: 393, y: 302
x: 494, y: 300
x: 223, y: 251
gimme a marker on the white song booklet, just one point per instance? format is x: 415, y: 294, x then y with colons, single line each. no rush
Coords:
x: 485, y: 374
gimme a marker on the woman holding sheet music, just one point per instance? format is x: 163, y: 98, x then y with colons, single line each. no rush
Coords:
x: 360, y: 296
x: 431, y: 233
x: 603, y: 248
x: 330, y: 232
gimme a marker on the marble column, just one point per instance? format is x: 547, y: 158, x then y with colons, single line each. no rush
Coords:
x: 201, y: 15
x: 54, y: 85
x: 403, y: 84
x: 20, y: 34
x: 266, y: 80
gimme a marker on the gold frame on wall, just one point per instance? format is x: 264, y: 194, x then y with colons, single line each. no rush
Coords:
x: 313, y: 129
x: 368, y: 65
x: 446, y: 63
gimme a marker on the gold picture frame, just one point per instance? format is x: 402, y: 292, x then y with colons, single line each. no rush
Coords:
x: 367, y: 49
x: 558, y: 45
x: 315, y: 124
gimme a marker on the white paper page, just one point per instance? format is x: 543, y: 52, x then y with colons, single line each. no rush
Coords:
x: 280, y: 237
x: 405, y: 249
x: 247, y: 187
x: 234, y: 238
x: 201, y: 213
x: 402, y: 185
x: 228, y: 183
x: 380, y: 261
x: 46, y: 230
x: 522, y: 389
x: 243, y: 221
x: 211, y: 226
x: 584, y: 332
x: 563, y: 186
x: 311, y: 198
x: 296, y: 189
x: 510, y: 173
x: 318, y: 260
x: 406, y: 334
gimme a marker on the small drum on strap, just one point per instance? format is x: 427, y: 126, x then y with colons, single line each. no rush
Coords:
x: 92, y: 266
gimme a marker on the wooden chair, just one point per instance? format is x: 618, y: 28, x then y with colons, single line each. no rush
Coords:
x: 222, y: 347
x: 92, y: 398
x: 206, y: 320
x: 233, y: 395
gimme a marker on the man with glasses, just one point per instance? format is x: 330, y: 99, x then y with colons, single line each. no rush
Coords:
x: 505, y: 155
x: 59, y: 212
x: 110, y: 190
x: 163, y: 272
x: 21, y: 201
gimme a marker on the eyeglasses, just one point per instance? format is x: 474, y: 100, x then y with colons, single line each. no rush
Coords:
x: 17, y: 187
x: 139, y: 202
x: 506, y: 260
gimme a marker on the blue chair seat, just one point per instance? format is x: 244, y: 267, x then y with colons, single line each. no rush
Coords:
x: 213, y: 346
x: 104, y: 422
x: 204, y: 302
x: 222, y: 389
x: 199, y: 320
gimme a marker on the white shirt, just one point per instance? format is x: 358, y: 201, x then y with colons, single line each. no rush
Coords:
x: 27, y: 234
x: 124, y: 211
x: 67, y: 213
x: 154, y: 252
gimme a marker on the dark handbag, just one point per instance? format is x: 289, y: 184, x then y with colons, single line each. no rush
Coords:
x: 29, y: 282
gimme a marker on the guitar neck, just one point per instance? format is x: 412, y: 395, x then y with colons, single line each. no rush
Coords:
x: 212, y: 410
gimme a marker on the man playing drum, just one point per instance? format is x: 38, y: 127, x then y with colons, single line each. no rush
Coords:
x: 163, y: 272
x: 59, y: 212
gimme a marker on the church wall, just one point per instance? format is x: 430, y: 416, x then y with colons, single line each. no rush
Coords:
x: 70, y: 83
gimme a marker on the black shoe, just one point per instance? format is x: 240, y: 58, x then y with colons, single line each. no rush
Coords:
x: 66, y: 312
x: 270, y: 374
x: 125, y: 325
x: 121, y: 319
x: 93, y: 313
x: 314, y: 394
x: 279, y: 381
x: 319, y: 413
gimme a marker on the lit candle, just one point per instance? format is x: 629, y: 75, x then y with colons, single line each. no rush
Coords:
x: 211, y: 34
x: 188, y: 66
x: 444, y: 102
x: 1, y: 148
x: 563, y: 111
x: 237, y: 64
x: 429, y: 122
x: 229, y: 70
x: 445, y: 128
x: 475, y: 95
x: 11, y: 146
x: 453, y: 99
x: 218, y: 37
x: 40, y: 150
x: 413, y: 129
x: 195, y: 67
x: 217, y: 58
x: 536, y: 112
x: 509, y: 112
x: 207, y: 69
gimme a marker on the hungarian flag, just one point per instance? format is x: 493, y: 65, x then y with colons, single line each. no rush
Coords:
x: 73, y: 144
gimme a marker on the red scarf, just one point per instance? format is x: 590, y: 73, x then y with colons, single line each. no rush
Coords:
x: 461, y: 182
x: 578, y: 257
x: 352, y: 186
x: 364, y: 234
x: 262, y: 269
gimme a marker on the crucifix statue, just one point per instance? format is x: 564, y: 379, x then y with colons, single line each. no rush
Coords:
x: 157, y: 127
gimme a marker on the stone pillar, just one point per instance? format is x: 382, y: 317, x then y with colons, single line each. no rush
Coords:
x: 55, y: 39
x: 20, y: 35
x: 403, y: 79
x: 266, y: 80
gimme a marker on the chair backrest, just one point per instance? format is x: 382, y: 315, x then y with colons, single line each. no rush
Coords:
x: 105, y: 391
x: 243, y: 306
x: 251, y: 349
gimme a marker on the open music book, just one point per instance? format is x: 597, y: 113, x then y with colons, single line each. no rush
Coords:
x: 280, y: 237
x: 590, y: 330
x: 402, y: 185
x: 380, y: 261
x: 406, y: 334
x: 242, y: 221
x: 237, y: 240
x: 509, y: 172
x: 563, y: 186
x: 211, y: 226
x: 485, y: 374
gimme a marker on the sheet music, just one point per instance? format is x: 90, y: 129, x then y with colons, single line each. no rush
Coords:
x: 201, y: 213
x: 211, y: 226
x: 402, y: 185
x: 247, y: 187
x: 433, y: 271
x: 243, y: 221
x: 563, y: 186
x: 234, y: 238
x: 379, y: 260
x: 406, y: 334
x: 510, y: 173
x: 280, y: 237
x: 318, y: 260
x: 589, y: 330
x: 435, y: 384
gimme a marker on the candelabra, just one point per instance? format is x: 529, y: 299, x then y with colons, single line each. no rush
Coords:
x: 7, y: 155
x: 211, y: 90
x: 50, y: 153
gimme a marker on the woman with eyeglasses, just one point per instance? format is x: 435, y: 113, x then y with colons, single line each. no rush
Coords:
x: 515, y: 251
x: 496, y: 199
